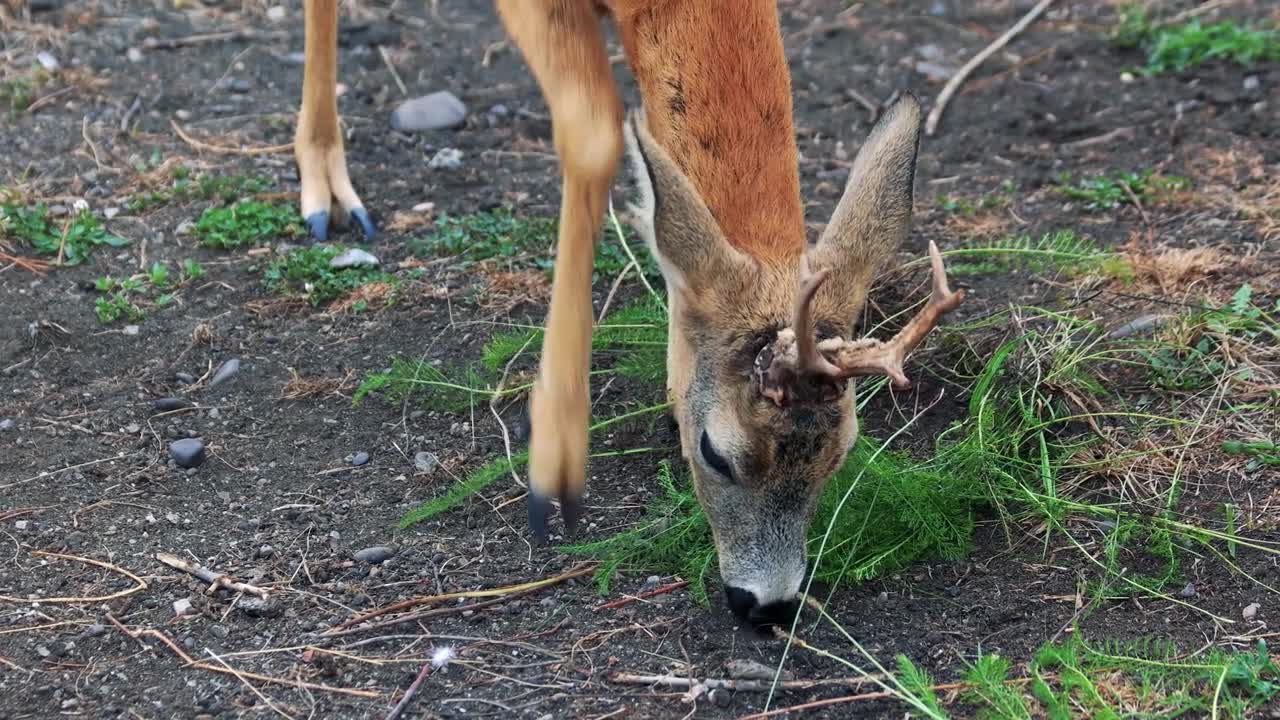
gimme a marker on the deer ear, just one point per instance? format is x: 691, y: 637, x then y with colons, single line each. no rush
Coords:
x: 874, y: 214
x: 681, y: 232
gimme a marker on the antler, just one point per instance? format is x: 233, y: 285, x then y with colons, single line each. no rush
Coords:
x: 798, y: 367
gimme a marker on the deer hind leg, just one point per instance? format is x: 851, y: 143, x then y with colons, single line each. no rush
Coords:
x: 317, y: 144
x: 562, y: 42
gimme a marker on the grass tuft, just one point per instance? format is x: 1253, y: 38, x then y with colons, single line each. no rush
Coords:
x: 248, y: 222
x: 1106, y: 192
x: 74, y: 239
x: 305, y: 272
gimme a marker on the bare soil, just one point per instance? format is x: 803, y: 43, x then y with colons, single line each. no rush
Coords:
x: 84, y: 469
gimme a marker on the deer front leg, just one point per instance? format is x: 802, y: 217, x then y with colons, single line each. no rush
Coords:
x: 317, y: 144
x: 562, y: 42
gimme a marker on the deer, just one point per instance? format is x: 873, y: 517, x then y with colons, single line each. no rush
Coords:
x: 760, y: 374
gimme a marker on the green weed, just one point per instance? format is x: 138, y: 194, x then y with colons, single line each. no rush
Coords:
x: 958, y: 205
x: 1106, y: 192
x: 74, y: 241
x: 116, y: 305
x: 247, y: 222
x: 1061, y: 251
x: 1199, y: 355
x: 1259, y: 452
x: 521, y: 241
x: 305, y: 272
x: 1179, y: 47
x: 184, y: 188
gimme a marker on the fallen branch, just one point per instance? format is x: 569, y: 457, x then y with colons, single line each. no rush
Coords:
x: 501, y: 592
x: 224, y: 150
x: 944, y: 97
x: 215, y: 580
x: 632, y: 598
x: 438, y: 659
x: 154, y: 43
x: 139, y: 583
x: 674, y: 681
x: 192, y: 662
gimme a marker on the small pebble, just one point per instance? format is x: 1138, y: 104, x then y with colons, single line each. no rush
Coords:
x: 169, y: 404
x: 134, y: 55
x: 1250, y: 611
x: 181, y: 607
x: 48, y: 61
x: 360, y: 458
x: 187, y: 453
x: 225, y: 372
x: 95, y: 630
x: 1251, y: 83
x: 184, y: 378
x: 1126, y: 77
x: 1187, y: 591
x: 276, y: 13
x: 437, y: 111
x: 6, y: 424
x: 375, y: 555
x: 353, y: 257
x: 266, y: 551
x: 131, y: 330
x: 219, y: 631
x: 721, y: 697
x: 254, y: 606
x: 425, y: 462
x: 446, y: 159
x: 21, y: 524
x: 132, y: 428
x: 110, y: 212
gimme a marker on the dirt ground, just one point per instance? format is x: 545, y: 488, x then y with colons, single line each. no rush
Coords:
x: 84, y: 467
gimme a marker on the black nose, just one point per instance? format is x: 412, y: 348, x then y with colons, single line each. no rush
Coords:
x: 743, y: 603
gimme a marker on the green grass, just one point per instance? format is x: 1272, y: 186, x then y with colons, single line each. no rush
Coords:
x: 76, y: 236
x: 959, y: 205
x: 116, y: 303
x: 184, y: 188
x: 1061, y: 251
x: 528, y: 242
x: 1199, y: 353
x: 1106, y: 192
x: 246, y: 223
x: 18, y: 91
x: 305, y: 272
x: 1178, y: 47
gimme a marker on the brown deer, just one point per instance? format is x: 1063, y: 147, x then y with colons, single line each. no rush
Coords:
x: 758, y: 368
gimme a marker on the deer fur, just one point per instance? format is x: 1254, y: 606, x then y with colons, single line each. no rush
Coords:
x: 714, y: 156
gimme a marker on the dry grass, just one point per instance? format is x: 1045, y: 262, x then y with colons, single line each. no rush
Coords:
x: 300, y: 388
x: 407, y: 221
x: 507, y: 290
x: 1237, y: 178
x: 984, y: 225
x: 372, y: 296
x: 1176, y: 270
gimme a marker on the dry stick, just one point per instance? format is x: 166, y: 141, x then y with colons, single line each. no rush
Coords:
x: 613, y: 290
x: 192, y: 662
x: 503, y: 593
x: 413, y: 690
x: 240, y: 676
x: 1193, y: 12
x: 215, y: 579
x: 199, y: 145
x: 674, y: 681
x: 413, y: 617
x: 493, y: 408
x: 153, y: 43
x: 632, y: 598
x: 140, y: 584
x: 386, y: 60
x: 931, y: 124
x: 50, y: 473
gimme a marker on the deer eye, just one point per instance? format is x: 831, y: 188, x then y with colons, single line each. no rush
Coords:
x: 713, y: 458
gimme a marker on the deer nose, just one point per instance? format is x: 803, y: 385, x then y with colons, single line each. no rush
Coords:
x: 744, y: 604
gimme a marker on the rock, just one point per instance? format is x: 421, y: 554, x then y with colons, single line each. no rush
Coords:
x: 751, y: 670
x: 437, y: 111
x: 1250, y: 611
x: 6, y: 424
x: 1127, y: 77
x: 1251, y: 83
x: 929, y: 52
x: 58, y: 210
x: 169, y: 404
x: 219, y: 631
x: 21, y: 524
x: 184, y: 378
x: 181, y: 607
x: 239, y: 85
x: 254, y: 606
x: 1187, y: 591
x: 48, y: 61
x: 131, y: 330
x: 721, y: 697
x: 375, y: 555
x: 225, y: 372
x: 934, y: 71
x: 425, y: 462
x: 95, y: 630
x: 187, y: 453
x: 266, y: 551
x: 1140, y: 324
x: 424, y: 207
x: 186, y: 227
x: 134, y: 55
x: 651, y: 582
x: 446, y: 159
x: 360, y: 458
x: 353, y: 257
x: 276, y: 13
x: 110, y: 212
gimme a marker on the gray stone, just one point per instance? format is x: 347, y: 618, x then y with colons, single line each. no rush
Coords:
x: 239, y: 85
x: 95, y: 630
x: 134, y: 55
x: 1251, y: 83
x: 254, y: 606
x: 184, y: 378
x: 219, y: 631
x: 425, y: 462
x: 181, y: 606
x: 446, y: 159
x: 266, y: 551
x: 721, y: 697
x: 934, y: 71
x: 6, y: 424
x: 225, y: 372
x: 187, y: 453
x: 360, y: 458
x: 48, y: 61
x: 375, y: 555
x: 1250, y: 611
x: 353, y: 257
x: 131, y: 330
x: 1187, y: 591
x: 133, y: 428
x: 437, y: 111
x: 169, y: 404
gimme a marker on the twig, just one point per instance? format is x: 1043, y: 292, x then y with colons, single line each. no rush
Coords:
x: 154, y: 43
x: 139, y: 583
x: 675, y: 681
x: 1192, y: 13
x: 215, y: 580
x: 51, y: 473
x: 386, y: 60
x: 240, y: 676
x: 632, y: 598
x: 222, y: 149
x: 84, y: 133
x: 38, y: 267
x: 42, y: 101
x: 1133, y: 197
x: 192, y: 662
x: 504, y: 593
x: 493, y: 408
x: 622, y: 240
x: 133, y: 109
x: 613, y: 290
x: 1106, y: 137
x: 413, y: 690
x: 931, y: 124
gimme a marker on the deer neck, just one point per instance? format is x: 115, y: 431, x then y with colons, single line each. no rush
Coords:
x: 717, y: 96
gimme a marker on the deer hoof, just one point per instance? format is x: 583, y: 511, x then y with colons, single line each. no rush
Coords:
x: 318, y: 225
x: 361, y: 216
x: 539, y: 513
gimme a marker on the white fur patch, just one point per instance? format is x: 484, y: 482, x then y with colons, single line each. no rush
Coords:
x: 642, y: 211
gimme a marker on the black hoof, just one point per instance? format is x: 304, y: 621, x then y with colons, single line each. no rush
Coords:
x: 539, y: 514
x: 571, y: 509
x: 361, y: 216
x: 318, y: 225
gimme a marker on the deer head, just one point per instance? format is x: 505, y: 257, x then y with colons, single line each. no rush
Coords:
x: 758, y: 367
